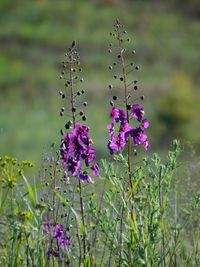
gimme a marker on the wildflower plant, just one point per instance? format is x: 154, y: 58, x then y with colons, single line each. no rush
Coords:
x: 72, y: 169
x: 128, y: 216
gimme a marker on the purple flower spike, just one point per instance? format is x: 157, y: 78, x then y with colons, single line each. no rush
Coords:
x: 137, y: 112
x: 95, y: 169
x: 76, y: 151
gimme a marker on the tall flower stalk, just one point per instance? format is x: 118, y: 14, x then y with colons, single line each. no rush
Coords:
x: 130, y: 110
x: 76, y: 152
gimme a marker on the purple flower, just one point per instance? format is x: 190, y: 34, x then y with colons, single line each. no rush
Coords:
x: 139, y: 136
x: 117, y: 115
x: 116, y: 144
x: 58, y: 240
x: 58, y: 231
x: 81, y: 132
x: 85, y: 177
x: 114, y: 114
x: 95, y: 169
x: 137, y: 112
x: 145, y: 123
x: 88, y: 155
x: 111, y: 129
x: 73, y: 166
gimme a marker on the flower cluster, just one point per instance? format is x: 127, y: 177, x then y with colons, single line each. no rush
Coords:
x: 57, y: 233
x: 76, y: 151
x: 118, y: 142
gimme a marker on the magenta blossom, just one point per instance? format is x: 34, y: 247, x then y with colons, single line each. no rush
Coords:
x: 57, y: 241
x: 116, y: 144
x: 118, y: 115
x: 85, y: 177
x: 145, y: 123
x: 137, y: 112
x: 139, y: 136
x: 95, y: 169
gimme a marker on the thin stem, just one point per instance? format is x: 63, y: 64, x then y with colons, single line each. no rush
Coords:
x: 71, y: 59
x: 125, y: 97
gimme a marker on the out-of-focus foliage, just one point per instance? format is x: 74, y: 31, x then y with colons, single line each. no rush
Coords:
x: 178, y: 110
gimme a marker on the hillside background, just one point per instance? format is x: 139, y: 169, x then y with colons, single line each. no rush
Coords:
x: 34, y: 35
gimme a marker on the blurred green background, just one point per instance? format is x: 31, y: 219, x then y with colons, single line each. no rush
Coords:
x: 34, y: 36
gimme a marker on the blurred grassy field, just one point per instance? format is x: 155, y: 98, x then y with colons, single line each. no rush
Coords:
x: 34, y: 36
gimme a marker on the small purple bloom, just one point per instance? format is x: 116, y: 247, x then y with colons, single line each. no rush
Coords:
x: 85, y: 177
x: 111, y: 129
x: 145, y: 123
x: 138, y: 135
x: 137, y: 112
x: 88, y: 155
x: 58, y: 231
x: 73, y: 166
x: 95, y: 169
x: 114, y: 114
x: 118, y: 115
x: 122, y: 115
x: 116, y: 144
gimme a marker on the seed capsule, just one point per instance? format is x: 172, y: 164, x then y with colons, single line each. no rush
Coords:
x: 85, y: 104
x: 135, y: 87
x: 142, y: 97
x: 129, y: 107
x: 84, y: 118
x: 114, y: 97
x: 67, y: 126
x: 110, y: 86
